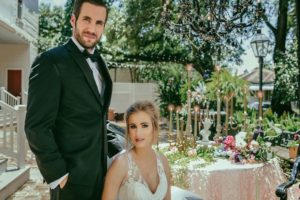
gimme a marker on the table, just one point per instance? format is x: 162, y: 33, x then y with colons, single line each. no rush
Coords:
x: 224, y: 180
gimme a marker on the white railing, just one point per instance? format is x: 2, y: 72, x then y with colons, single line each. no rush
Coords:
x: 12, y: 134
x: 8, y: 98
x: 124, y: 94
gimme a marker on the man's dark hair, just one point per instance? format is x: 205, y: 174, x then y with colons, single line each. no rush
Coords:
x: 78, y: 4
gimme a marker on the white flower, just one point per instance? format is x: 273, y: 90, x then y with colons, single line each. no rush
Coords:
x: 240, y: 139
x: 254, y: 146
x: 268, y: 144
x: 229, y: 153
x: 174, y: 149
x: 254, y: 143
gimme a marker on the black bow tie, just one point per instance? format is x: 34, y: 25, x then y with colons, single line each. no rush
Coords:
x: 94, y: 57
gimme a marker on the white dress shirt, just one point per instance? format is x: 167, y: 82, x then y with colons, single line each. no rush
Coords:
x: 93, y: 66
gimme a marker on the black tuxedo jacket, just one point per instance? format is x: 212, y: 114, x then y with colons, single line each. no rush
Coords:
x: 66, y: 116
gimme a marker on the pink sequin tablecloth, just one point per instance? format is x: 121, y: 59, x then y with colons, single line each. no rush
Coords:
x: 224, y: 180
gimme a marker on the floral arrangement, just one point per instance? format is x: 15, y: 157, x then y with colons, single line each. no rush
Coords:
x: 243, y: 149
x: 239, y: 149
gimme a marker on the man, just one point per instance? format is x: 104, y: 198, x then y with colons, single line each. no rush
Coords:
x: 68, y: 99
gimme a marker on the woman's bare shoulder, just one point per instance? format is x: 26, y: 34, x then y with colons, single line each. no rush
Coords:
x: 121, y: 160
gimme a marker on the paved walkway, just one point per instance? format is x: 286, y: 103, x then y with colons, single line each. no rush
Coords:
x: 34, y: 188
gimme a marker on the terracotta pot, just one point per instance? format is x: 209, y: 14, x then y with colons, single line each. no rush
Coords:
x: 111, y: 114
x: 293, y: 152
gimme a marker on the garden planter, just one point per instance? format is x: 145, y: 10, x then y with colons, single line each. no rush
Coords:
x: 111, y: 114
x: 293, y: 152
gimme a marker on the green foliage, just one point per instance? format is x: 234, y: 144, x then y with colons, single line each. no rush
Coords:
x: 66, y: 29
x: 193, y: 88
x: 134, y: 32
x: 169, y: 80
x: 50, y: 24
x: 264, y: 150
x: 213, y: 38
x: 227, y: 84
x: 268, y: 114
x: 293, y: 143
x: 183, y: 159
x: 206, y: 153
x: 286, y: 78
x: 290, y: 122
x: 172, y: 84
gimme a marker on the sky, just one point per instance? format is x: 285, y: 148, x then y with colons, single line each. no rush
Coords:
x: 250, y: 61
x: 53, y: 2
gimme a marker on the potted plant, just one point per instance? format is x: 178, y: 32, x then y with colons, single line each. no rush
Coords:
x: 293, y: 148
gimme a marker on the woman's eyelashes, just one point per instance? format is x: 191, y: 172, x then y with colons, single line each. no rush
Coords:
x: 132, y: 126
x: 143, y: 125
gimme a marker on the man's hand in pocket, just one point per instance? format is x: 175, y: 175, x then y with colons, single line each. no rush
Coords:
x: 63, y: 182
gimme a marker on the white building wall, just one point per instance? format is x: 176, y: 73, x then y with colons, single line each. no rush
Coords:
x: 15, y: 56
x: 8, y: 11
x: 120, y: 75
x: 33, y: 52
x: 124, y: 94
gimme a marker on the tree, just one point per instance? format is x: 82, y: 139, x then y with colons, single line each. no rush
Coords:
x: 227, y: 84
x: 50, y: 24
x: 280, y: 31
x: 214, y: 29
x: 287, y: 83
x: 66, y: 29
x: 134, y: 33
x: 231, y: 87
x: 169, y: 79
x: 279, y: 105
x: 298, y: 44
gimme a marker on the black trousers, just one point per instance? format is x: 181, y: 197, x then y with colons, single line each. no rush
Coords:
x: 78, y: 192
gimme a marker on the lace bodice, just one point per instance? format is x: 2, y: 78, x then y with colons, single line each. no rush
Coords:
x: 136, y: 188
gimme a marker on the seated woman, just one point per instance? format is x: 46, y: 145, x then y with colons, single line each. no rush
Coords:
x: 139, y: 173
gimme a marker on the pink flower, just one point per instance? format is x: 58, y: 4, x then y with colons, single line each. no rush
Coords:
x: 174, y: 149
x: 296, y: 137
x: 192, y: 152
x: 229, y: 142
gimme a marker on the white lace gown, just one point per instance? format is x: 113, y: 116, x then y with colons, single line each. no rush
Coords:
x: 136, y: 188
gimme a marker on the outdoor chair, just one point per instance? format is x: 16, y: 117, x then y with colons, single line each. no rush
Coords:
x: 281, y: 190
x: 115, y: 139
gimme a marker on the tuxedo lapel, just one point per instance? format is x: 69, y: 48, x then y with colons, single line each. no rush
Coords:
x: 107, y: 82
x: 81, y: 62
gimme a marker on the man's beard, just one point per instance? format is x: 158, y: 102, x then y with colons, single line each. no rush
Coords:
x: 82, y: 42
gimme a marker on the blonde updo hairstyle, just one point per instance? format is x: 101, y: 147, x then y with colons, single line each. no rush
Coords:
x: 149, y: 108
